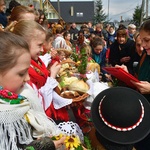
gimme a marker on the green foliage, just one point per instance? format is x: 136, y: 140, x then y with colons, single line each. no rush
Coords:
x: 79, y: 147
x: 83, y: 59
x: 29, y: 148
x: 87, y: 142
x: 99, y: 15
x: 53, y: 138
x: 74, y: 57
x: 115, y: 82
x: 62, y: 84
x: 137, y: 15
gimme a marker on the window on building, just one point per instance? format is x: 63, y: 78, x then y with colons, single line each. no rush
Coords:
x: 51, y: 15
x: 79, y: 14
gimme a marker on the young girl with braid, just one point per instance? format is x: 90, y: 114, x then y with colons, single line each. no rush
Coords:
x: 43, y: 79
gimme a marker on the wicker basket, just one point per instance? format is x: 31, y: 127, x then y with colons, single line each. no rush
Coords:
x: 81, y: 98
x: 75, y: 99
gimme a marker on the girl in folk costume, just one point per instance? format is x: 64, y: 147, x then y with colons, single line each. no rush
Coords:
x: 17, y: 113
x: 49, y: 53
x: 67, y: 37
x: 59, y: 41
x: 143, y: 74
x: 44, y: 79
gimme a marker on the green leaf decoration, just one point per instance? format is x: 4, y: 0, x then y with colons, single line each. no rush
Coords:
x: 29, y: 148
x: 74, y: 57
x: 9, y: 94
x: 53, y: 138
x: 79, y: 148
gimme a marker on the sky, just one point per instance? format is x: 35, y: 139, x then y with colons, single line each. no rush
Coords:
x: 117, y: 8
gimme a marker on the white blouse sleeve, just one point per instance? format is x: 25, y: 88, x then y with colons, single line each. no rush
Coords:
x: 47, y: 90
x: 49, y: 95
x: 46, y: 59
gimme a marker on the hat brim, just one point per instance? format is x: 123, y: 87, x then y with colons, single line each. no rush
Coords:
x: 121, y: 137
x: 66, y: 51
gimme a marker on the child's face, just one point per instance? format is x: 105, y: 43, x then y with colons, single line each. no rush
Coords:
x: 98, y: 49
x: 14, y: 79
x: 62, y: 56
x: 36, y: 45
x: 48, y: 45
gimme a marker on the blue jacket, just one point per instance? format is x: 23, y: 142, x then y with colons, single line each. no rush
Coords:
x: 3, y: 19
x: 100, y: 58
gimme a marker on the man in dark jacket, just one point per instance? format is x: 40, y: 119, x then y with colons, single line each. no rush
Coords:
x: 3, y: 18
x: 74, y: 32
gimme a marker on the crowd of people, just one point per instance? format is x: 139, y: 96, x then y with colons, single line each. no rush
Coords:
x: 36, y: 111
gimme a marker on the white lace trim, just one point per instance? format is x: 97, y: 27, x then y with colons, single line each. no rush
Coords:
x: 71, y: 128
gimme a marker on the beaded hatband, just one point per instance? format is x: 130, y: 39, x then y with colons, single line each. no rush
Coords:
x: 120, y: 128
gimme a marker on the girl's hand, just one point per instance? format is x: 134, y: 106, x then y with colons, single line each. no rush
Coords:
x: 10, y: 27
x: 53, y: 53
x: 55, y: 69
x: 125, y: 59
x: 108, y: 77
x: 59, y: 143
x: 142, y: 86
x: 122, y: 67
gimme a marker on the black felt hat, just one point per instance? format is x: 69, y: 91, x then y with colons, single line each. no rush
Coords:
x: 121, y: 115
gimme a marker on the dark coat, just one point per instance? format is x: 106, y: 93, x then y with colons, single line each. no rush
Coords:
x: 118, y: 51
x: 74, y: 33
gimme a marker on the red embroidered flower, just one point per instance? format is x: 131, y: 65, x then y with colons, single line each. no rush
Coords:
x: 8, y: 94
